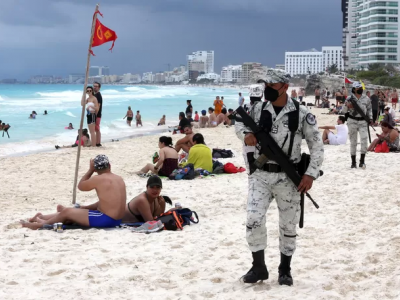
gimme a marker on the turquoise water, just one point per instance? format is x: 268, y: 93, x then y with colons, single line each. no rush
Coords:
x: 62, y: 103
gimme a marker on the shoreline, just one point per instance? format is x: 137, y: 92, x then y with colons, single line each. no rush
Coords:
x: 108, y: 140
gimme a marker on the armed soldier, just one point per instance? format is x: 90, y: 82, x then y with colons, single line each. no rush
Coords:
x: 276, y: 117
x: 357, y: 123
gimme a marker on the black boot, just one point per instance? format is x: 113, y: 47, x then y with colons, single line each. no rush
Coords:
x: 284, y: 271
x: 259, y: 270
x: 362, y: 162
x: 353, y: 162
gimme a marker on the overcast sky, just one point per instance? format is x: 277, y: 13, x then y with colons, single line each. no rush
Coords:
x: 50, y: 37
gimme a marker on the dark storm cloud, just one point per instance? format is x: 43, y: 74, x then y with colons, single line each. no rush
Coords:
x: 42, y: 13
x: 152, y: 34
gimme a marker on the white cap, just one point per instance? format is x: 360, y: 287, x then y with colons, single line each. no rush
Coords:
x: 357, y: 85
x: 256, y: 90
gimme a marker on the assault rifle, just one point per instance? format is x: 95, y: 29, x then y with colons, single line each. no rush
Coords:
x: 357, y: 108
x: 271, y: 150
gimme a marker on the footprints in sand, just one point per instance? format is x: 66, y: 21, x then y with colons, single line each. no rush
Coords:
x: 190, y: 275
x: 55, y: 273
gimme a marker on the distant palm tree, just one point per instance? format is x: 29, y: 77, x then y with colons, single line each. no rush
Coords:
x: 333, y: 69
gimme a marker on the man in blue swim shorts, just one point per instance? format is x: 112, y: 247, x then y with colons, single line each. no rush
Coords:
x: 107, y: 212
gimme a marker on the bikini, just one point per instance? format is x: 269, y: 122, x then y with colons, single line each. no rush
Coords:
x: 139, y: 217
x: 91, y: 113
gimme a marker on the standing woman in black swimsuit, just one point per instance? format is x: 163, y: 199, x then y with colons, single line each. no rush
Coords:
x: 147, y: 205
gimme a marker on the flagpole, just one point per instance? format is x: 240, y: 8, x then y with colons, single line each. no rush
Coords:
x: 83, y: 100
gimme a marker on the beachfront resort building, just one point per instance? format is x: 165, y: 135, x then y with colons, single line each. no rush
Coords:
x: 131, y: 78
x: 76, y: 78
x: 209, y: 76
x: 231, y: 73
x: 313, y: 61
x: 239, y: 73
x: 247, y: 67
x: 370, y: 32
x: 200, y: 62
x: 280, y: 67
x: 99, y: 71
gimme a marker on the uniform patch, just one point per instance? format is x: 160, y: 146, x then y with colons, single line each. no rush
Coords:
x: 310, y: 118
x: 274, y: 129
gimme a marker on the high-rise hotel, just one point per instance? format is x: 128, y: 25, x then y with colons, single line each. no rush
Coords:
x: 370, y: 32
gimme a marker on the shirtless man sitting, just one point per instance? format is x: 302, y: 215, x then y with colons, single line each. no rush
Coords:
x: 223, y: 118
x: 204, y: 119
x: 187, y: 142
x: 107, y: 212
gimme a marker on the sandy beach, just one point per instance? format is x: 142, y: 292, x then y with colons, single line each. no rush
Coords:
x: 348, y: 249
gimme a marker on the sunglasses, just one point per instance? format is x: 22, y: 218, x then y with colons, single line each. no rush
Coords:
x: 89, y: 91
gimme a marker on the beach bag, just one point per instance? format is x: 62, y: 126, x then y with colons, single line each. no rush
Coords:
x: 221, y: 153
x: 218, y: 167
x: 176, y: 219
x: 231, y: 169
x: 188, y: 216
x: 382, y: 148
x: 171, y: 220
x: 186, y: 173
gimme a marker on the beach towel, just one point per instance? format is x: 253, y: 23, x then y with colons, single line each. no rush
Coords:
x: 231, y: 169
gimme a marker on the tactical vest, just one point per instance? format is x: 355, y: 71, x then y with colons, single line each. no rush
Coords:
x: 293, y: 116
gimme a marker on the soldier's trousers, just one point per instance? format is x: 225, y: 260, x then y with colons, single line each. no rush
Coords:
x: 356, y: 127
x: 263, y: 187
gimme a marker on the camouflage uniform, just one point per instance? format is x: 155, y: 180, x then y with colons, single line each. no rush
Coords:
x: 358, y: 126
x: 264, y: 186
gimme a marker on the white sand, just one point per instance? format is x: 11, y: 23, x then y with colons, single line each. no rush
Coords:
x: 349, y: 248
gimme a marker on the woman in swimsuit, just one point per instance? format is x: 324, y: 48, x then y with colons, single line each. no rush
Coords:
x: 167, y: 161
x: 85, y: 140
x: 147, y: 205
x: 92, y: 108
x: 389, y: 135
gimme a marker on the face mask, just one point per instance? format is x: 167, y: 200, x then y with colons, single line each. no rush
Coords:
x: 271, y: 94
x: 359, y: 92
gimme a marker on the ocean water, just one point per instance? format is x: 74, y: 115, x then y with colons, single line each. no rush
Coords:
x: 62, y: 103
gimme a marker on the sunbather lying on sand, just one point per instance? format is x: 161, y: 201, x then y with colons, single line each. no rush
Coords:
x: 107, y: 212
x: 147, y: 205
x: 144, y: 207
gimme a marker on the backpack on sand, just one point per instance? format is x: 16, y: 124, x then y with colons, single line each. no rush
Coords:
x: 221, y: 153
x: 176, y: 219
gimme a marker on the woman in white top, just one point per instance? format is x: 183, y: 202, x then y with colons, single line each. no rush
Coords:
x: 92, y: 107
x: 328, y: 137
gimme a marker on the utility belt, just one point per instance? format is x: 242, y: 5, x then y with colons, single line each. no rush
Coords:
x: 274, y: 168
x: 356, y: 118
x: 301, y: 167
